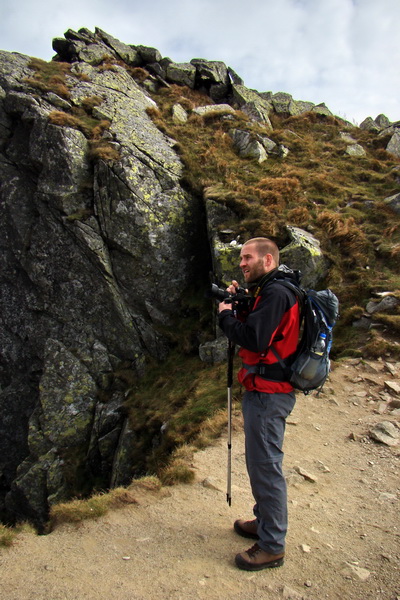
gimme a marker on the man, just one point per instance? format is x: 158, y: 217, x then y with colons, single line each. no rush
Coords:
x: 272, y: 325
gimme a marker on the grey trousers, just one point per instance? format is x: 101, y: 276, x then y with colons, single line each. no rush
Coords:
x: 264, y: 426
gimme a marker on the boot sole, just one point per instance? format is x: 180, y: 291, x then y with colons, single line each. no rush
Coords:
x: 272, y: 564
x: 243, y: 533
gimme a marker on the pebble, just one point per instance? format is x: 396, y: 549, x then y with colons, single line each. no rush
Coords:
x: 393, y: 386
x: 361, y: 573
x: 323, y: 467
x: 387, y: 496
x: 315, y: 530
x: 290, y: 594
x: 386, y: 433
x: 210, y: 484
x: 391, y: 368
x: 382, y: 407
x: 308, y: 476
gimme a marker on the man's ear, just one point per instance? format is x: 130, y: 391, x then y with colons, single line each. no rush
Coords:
x: 268, y: 261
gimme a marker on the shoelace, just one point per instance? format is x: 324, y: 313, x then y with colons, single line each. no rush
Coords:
x: 253, y: 550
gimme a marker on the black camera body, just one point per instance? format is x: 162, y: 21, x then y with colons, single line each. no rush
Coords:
x: 240, y: 301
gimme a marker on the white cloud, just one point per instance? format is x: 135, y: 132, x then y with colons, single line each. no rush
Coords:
x: 341, y: 52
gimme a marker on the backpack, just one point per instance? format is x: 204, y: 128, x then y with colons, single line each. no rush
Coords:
x: 310, y: 365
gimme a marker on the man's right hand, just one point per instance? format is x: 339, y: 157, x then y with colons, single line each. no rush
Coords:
x: 232, y: 289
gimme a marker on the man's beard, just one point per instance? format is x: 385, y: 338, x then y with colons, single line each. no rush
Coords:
x: 256, y: 272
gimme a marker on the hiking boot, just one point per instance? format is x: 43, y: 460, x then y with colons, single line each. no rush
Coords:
x: 247, y: 529
x: 255, y: 559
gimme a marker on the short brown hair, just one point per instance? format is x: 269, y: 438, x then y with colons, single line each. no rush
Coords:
x: 265, y: 246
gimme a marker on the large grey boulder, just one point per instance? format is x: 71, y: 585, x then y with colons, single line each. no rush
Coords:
x: 322, y: 109
x: 59, y: 430
x: 91, y: 243
x: 258, y: 111
x: 212, y: 77
x: 224, y: 247
x: 394, y: 203
x: 370, y: 125
x: 223, y: 109
x: 394, y: 144
x: 247, y: 146
x: 283, y: 104
x: 304, y: 254
x: 211, y: 71
x: 182, y: 73
x: 382, y: 121
x: 355, y: 150
x: 93, y: 48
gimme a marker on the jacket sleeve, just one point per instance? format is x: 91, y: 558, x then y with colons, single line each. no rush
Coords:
x: 258, y: 331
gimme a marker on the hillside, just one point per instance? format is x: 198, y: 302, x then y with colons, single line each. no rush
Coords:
x: 178, y: 542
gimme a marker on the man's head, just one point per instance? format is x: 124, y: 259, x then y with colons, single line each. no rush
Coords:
x: 258, y: 257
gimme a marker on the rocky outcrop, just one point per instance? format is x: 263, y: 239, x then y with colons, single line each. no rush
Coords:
x: 384, y: 128
x: 218, y: 81
x: 90, y: 244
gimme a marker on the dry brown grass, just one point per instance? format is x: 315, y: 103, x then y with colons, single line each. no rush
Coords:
x: 346, y: 234
x: 138, y: 74
x: 102, y: 150
x: 90, y: 102
x: 109, y: 63
x: 94, y: 507
x: 316, y: 186
x: 63, y: 119
x: 50, y: 77
x: 299, y: 216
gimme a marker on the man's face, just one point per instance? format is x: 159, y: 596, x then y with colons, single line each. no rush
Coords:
x: 252, y: 264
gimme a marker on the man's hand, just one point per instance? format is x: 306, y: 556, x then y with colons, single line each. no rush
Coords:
x: 224, y: 306
x: 232, y: 290
x: 233, y: 287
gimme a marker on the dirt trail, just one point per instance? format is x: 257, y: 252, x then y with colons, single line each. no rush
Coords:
x: 344, y: 532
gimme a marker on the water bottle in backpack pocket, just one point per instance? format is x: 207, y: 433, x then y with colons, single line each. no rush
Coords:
x: 311, y: 368
x: 314, y: 359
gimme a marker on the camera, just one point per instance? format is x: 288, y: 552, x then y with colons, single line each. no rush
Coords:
x: 240, y: 301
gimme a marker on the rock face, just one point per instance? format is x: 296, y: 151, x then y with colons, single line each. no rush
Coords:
x: 89, y: 247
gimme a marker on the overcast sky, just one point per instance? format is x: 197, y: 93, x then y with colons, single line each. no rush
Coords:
x: 345, y: 53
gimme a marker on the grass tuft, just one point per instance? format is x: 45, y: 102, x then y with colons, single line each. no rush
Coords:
x: 50, y: 77
x: 76, y: 511
x: 7, y: 536
x: 177, y: 472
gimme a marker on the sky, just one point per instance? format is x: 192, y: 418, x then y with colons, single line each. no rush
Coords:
x: 344, y: 53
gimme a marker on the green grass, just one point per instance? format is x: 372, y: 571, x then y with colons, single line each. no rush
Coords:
x: 178, y: 395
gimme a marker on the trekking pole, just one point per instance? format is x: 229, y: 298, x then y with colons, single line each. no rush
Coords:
x: 231, y: 353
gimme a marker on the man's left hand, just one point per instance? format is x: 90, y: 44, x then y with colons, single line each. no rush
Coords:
x: 224, y: 306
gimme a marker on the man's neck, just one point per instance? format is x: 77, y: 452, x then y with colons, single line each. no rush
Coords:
x: 256, y: 286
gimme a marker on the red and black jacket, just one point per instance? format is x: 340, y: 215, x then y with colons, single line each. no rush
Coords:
x: 273, y: 321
